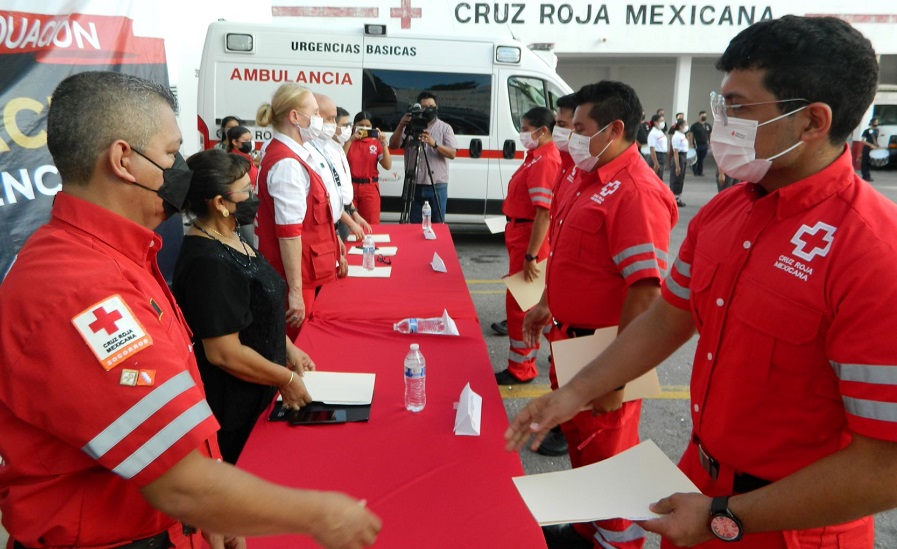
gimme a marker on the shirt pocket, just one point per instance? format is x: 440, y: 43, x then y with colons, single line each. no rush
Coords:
x: 320, y: 209
x: 584, y: 232
x: 323, y: 261
x: 783, y: 340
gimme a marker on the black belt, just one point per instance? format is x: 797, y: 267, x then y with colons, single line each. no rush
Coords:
x: 573, y: 331
x: 365, y: 180
x: 518, y: 220
x: 741, y: 482
x: 159, y: 541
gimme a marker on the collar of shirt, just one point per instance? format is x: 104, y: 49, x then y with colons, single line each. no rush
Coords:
x: 300, y: 151
x: 609, y: 171
x: 806, y: 193
x: 120, y: 233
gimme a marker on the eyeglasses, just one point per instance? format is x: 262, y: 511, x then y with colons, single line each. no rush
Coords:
x: 246, y: 190
x: 720, y: 109
x: 386, y: 260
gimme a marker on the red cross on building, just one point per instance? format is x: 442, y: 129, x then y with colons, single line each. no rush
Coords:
x: 406, y: 13
x: 105, y: 321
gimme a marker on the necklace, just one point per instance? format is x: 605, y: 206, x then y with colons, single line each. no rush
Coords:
x: 227, y: 248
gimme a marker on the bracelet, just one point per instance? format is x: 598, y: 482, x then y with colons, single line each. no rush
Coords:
x: 292, y: 373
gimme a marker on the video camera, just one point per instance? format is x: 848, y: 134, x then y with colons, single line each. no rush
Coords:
x: 420, y: 119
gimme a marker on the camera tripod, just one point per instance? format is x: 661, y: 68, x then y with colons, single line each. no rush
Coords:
x: 409, y: 187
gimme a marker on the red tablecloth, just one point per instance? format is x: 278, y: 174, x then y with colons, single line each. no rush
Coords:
x: 413, y: 289
x: 432, y: 488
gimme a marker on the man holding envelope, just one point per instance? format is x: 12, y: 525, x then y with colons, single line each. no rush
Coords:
x: 609, y: 248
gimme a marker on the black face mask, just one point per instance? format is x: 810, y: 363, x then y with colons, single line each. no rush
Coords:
x: 246, y: 210
x: 246, y: 147
x: 430, y: 114
x: 175, y: 185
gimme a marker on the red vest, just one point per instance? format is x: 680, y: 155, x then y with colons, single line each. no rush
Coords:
x: 319, y: 245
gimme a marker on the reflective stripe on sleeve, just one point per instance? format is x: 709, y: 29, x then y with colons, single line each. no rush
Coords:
x: 163, y: 440
x: 646, y: 265
x: 682, y: 267
x: 676, y: 289
x: 542, y: 199
x: 866, y: 373
x: 540, y: 190
x: 871, y: 409
x: 633, y: 250
x: 137, y: 414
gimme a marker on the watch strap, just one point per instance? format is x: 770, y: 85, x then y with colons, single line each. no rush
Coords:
x: 531, y: 257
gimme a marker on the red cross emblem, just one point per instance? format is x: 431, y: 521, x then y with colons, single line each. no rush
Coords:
x: 812, y: 241
x: 105, y: 320
x: 405, y: 12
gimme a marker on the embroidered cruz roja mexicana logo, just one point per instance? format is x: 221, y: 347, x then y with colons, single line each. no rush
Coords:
x: 810, y: 242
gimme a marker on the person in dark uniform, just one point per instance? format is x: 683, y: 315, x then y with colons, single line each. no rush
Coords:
x: 699, y: 136
x: 870, y: 142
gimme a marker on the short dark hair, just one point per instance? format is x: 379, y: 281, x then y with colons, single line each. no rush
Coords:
x: 214, y: 171
x: 798, y: 54
x: 425, y: 95
x: 701, y: 112
x: 235, y: 133
x: 567, y: 102
x: 655, y: 118
x: 341, y: 112
x: 611, y: 101
x: 540, y: 116
x: 91, y: 110
x: 228, y: 119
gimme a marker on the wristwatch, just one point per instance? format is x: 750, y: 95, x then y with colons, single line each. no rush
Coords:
x: 531, y: 257
x: 724, y: 525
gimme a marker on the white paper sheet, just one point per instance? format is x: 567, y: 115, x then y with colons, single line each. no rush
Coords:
x: 340, y: 387
x: 384, y: 251
x: 619, y: 487
x: 438, y: 264
x: 496, y: 224
x: 527, y: 294
x: 377, y: 238
x: 430, y: 235
x: 469, y: 413
x: 358, y: 271
x: 571, y: 356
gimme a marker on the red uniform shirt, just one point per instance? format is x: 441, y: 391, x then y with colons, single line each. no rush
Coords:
x: 563, y: 182
x: 253, y: 170
x: 530, y: 186
x: 363, y: 156
x: 794, y: 297
x: 611, y: 231
x: 100, y: 392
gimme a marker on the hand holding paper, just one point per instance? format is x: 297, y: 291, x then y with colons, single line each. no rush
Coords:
x: 526, y: 293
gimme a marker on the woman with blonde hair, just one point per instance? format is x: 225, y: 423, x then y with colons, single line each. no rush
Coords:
x: 295, y: 222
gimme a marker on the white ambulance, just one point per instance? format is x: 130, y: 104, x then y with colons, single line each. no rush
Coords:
x: 483, y: 87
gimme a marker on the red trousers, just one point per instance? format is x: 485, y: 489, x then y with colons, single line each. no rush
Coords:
x: 857, y: 534
x: 308, y: 298
x: 616, y: 431
x: 367, y: 200
x: 521, y: 359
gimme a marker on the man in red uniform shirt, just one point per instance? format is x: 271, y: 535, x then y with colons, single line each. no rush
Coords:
x: 563, y: 129
x: 526, y: 208
x: 609, y: 249
x: 107, y: 438
x: 788, y: 278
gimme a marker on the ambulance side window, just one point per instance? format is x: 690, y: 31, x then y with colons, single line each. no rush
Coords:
x: 464, y: 99
x: 524, y: 93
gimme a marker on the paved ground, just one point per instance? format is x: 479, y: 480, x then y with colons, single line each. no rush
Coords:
x: 666, y: 419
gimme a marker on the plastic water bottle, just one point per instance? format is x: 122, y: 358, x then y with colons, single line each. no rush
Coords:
x: 420, y: 326
x: 415, y: 379
x: 368, y: 248
x: 427, y: 214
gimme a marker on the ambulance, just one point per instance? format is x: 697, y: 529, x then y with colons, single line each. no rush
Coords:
x: 483, y: 87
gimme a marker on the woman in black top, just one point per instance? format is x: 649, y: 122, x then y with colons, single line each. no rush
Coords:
x: 233, y: 301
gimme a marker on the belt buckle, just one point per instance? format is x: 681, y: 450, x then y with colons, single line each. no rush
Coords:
x: 707, y: 462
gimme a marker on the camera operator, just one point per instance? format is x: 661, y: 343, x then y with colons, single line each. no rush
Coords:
x: 440, y: 146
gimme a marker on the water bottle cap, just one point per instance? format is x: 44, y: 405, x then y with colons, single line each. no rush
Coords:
x: 426, y: 202
x: 415, y: 346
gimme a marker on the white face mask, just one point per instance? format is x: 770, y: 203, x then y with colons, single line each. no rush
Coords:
x: 344, y: 134
x: 316, y: 124
x: 561, y: 137
x: 327, y: 131
x: 733, y: 148
x: 579, y: 149
x: 526, y: 139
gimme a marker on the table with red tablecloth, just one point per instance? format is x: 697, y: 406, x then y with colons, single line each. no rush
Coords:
x: 430, y: 487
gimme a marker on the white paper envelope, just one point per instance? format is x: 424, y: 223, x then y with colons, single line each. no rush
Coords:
x: 377, y: 238
x: 384, y: 251
x: 438, y: 264
x: 527, y: 294
x: 430, y: 235
x: 450, y: 327
x: 496, y: 224
x: 469, y: 412
x: 571, y: 356
x: 358, y: 271
x: 619, y: 487
x: 339, y: 387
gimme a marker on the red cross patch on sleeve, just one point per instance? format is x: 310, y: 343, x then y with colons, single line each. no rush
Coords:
x: 111, y: 331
